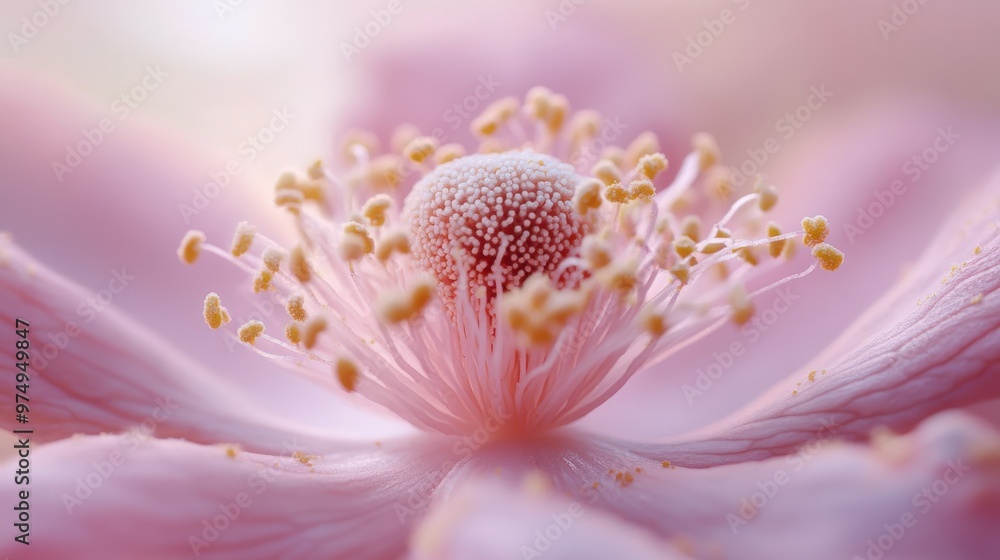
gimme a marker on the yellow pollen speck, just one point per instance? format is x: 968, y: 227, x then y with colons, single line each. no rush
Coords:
x: 243, y: 238
x: 652, y: 165
x: 812, y: 375
x: 311, y: 330
x: 190, y: 246
x: 272, y: 258
x: 665, y: 464
x: 708, y: 150
x: 795, y: 393
x: 249, y: 332
x: 296, y: 307
x: 262, y: 282
x: 607, y: 172
x: 587, y: 196
x: 816, y: 230
x: 292, y: 333
x: 616, y: 194
x: 829, y: 257
x: 977, y: 299
x: 298, y: 264
x: 774, y: 247
x: 215, y: 314
x: 376, y: 208
x: 978, y: 250
x: 347, y: 374
x: 231, y: 451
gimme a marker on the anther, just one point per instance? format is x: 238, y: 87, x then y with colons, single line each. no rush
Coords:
x: 652, y: 165
x: 607, y: 172
x: 707, y: 149
x: 262, y: 282
x: 775, y: 247
x: 742, y: 308
x: 215, y: 315
x: 292, y: 333
x: 311, y: 330
x: 767, y: 195
x: 296, y: 307
x: 587, y: 196
x: 347, y: 373
x: 243, y: 238
x: 816, y: 230
x: 298, y: 264
x: 375, y: 209
x: 272, y: 258
x: 828, y: 256
x: 419, y: 149
x: 249, y: 332
x: 616, y: 194
x: 190, y: 246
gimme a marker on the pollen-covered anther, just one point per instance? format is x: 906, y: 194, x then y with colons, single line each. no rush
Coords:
x: 717, y: 243
x: 293, y: 333
x: 775, y: 247
x: 190, y: 247
x: 691, y: 227
x: 298, y: 264
x: 641, y: 190
x: 311, y: 330
x: 741, y: 307
x: 419, y: 149
x: 375, y: 209
x: 619, y: 275
x: 296, y: 307
x: 653, y: 322
x: 682, y: 272
x: 538, y: 312
x: 356, y: 242
x: 262, y: 282
x: 748, y: 255
x: 684, y: 246
x: 767, y: 195
x: 596, y: 251
x: 645, y: 144
x: 215, y: 315
x: 616, y: 194
x: 607, y: 172
x: 272, y: 258
x: 243, y: 238
x: 347, y: 373
x: 705, y: 146
x: 404, y: 306
x: 249, y: 332
x: 392, y: 242
x: 289, y: 199
x: 448, y: 152
x: 537, y: 102
x: 587, y: 196
x: 817, y: 229
x: 652, y: 165
x: 828, y: 256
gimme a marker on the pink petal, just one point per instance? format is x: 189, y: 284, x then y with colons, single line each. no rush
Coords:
x: 825, y: 502
x: 488, y: 520
x: 129, y: 497
x: 932, y: 343
x: 835, y: 166
x: 93, y: 369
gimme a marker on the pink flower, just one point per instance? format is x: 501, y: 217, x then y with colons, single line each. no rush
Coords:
x: 503, y: 333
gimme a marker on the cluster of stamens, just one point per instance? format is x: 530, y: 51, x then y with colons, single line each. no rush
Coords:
x: 506, y: 285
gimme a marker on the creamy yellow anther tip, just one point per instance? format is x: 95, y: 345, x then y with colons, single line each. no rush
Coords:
x: 249, y: 332
x: 641, y: 190
x: 652, y: 165
x: 215, y: 315
x: 816, y: 229
x: 767, y: 195
x: 419, y: 149
x: 653, y: 323
x: 243, y: 238
x: 190, y: 246
x: 296, y: 307
x: 347, y: 373
x: 311, y: 330
x: 292, y: 333
x: 828, y: 256
x: 298, y: 263
x: 616, y: 194
x: 587, y: 196
x: 272, y: 258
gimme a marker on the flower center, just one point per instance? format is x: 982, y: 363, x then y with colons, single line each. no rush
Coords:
x: 508, y: 214
x: 514, y: 292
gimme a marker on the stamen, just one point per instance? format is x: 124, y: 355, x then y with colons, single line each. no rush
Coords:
x: 775, y: 247
x: 828, y: 256
x: 249, y: 332
x: 190, y: 247
x: 816, y: 230
x: 272, y: 258
x: 243, y: 238
x: 312, y: 328
x: 347, y: 374
x: 215, y: 315
x: 298, y: 264
x: 296, y: 307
